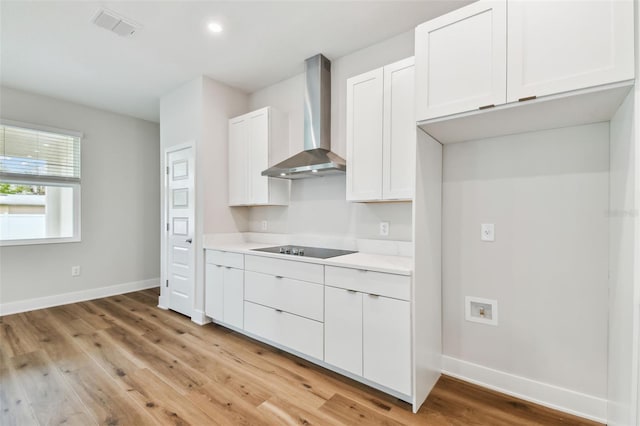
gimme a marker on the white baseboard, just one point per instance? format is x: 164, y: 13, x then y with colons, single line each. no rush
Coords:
x: 76, y: 296
x: 199, y: 317
x: 561, y: 399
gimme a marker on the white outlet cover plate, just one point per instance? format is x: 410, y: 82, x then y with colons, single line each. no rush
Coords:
x: 487, y: 232
x: 384, y: 229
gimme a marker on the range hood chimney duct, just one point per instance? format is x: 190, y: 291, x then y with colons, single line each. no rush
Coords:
x: 317, y: 158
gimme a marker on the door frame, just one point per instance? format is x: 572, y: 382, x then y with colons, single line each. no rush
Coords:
x: 163, y: 301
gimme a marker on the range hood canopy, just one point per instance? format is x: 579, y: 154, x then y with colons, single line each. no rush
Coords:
x: 317, y: 158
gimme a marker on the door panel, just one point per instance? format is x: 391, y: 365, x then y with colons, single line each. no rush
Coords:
x: 238, y: 162
x: 343, y: 329
x: 214, y: 291
x: 364, y: 136
x: 461, y: 60
x: 233, y: 296
x: 557, y: 46
x: 386, y: 342
x: 399, y: 139
x: 259, y: 157
x: 180, y: 220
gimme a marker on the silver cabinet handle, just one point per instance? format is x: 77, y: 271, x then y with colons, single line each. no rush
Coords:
x: 279, y: 311
x: 351, y: 291
x: 189, y: 240
x: 279, y: 277
x: 374, y: 295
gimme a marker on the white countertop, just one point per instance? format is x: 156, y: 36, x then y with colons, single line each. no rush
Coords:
x: 401, y: 265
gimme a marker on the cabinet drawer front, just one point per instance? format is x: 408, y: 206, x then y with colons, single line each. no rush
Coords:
x: 294, y: 296
x: 389, y: 285
x: 300, y: 334
x: 286, y: 268
x: 225, y: 258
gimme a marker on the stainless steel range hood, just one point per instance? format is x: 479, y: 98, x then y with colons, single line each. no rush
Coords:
x: 317, y: 158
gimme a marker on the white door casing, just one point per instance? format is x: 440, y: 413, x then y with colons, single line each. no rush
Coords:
x: 180, y: 226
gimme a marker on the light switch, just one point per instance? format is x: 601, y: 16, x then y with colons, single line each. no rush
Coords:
x: 487, y: 232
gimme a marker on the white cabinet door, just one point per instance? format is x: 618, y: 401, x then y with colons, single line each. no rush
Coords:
x: 399, y: 137
x: 461, y: 60
x: 386, y: 342
x: 233, y: 296
x: 258, y: 155
x: 557, y: 46
x: 343, y: 329
x: 238, y: 162
x: 364, y: 136
x: 214, y: 291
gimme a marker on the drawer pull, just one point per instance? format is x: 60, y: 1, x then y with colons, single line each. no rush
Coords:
x: 362, y: 270
x: 528, y: 98
x: 279, y: 311
x: 228, y: 267
x: 486, y: 106
x: 279, y: 277
x: 352, y: 291
x: 374, y: 295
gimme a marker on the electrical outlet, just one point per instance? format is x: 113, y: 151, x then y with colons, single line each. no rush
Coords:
x: 487, y: 232
x: 75, y: 271
x: 264, y: 225
x: 384, y: 229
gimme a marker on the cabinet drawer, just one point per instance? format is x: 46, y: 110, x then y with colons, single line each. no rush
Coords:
x: 300, y: 334
x: 297, y: 270
x: 225, y: 258
x: 294, y: 296
x: 383, y: 284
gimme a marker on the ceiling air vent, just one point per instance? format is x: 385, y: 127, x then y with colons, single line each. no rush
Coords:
x: 115, y: 23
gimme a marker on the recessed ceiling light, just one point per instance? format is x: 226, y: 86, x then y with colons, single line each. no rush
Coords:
x: 214, y: 27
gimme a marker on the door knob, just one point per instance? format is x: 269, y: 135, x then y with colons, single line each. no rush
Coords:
x: 189, y: 240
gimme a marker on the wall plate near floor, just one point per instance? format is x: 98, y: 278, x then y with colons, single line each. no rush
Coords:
x: 483, y: 311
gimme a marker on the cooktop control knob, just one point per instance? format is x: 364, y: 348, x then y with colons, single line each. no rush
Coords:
x: 301, y: 252
x: 294, y: 251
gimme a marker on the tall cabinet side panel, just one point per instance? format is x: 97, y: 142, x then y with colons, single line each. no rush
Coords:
x: 427, y: 278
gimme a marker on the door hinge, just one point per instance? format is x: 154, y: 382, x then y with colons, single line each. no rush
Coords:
x: 167, y: 227
x: 166, y: 283
x: 167, y: 170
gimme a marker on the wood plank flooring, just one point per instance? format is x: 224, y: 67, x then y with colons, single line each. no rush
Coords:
x: 122, y: 361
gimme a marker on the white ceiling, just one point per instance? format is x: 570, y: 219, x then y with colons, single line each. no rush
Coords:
x: 53, y: 48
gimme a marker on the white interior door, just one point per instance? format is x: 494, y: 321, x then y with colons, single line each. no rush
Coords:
x: 180, y: 203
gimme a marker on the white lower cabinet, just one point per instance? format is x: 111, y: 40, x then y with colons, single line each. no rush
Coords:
x: 369, y: 335
x: 386, y: 342
x: 224, y: 287
x: 343, y: 329
x: 355, y: 320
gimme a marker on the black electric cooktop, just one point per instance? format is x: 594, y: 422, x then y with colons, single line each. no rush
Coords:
x: 317, y: 252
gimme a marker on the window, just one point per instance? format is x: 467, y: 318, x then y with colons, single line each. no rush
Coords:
x: 39, y: 184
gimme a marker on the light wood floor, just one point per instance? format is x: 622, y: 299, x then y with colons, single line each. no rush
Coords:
x: 122, y: 361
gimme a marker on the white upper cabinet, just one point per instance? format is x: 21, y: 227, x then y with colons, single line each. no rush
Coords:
x: 364, y: 136
x: 251, y: 139
x: 399, y: 131
x: 558, y: 46
x: 492, y: 53
x: 461, y: 60
x: 381, y: 133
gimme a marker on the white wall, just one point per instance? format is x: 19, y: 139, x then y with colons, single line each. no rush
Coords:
x: 318, y: 205
x: 547, y: 194
x: 120, y: 199
x: 197, y: 113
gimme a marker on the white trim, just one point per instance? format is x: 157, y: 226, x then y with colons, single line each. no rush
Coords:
x: 75, y: 296
x: 552, y: 396
x: 199, y: 317
x: 38, y: 127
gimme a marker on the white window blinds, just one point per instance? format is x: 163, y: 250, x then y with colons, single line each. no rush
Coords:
x: 36, y: 154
